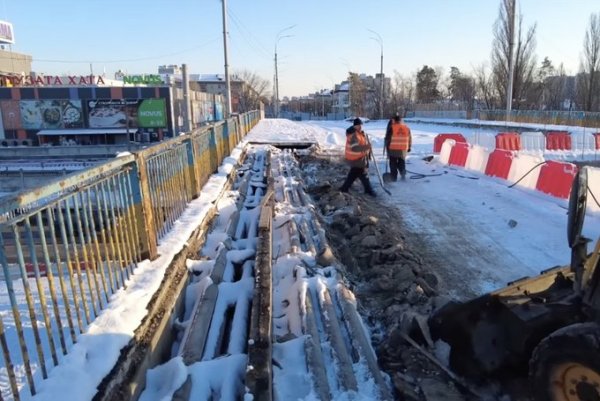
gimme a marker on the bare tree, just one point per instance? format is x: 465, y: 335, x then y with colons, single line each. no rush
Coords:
x: 402, y: 93
x: 253, y: 91
x: 589, y: 75
x: 358, y: 94
x: 524, y: 64
x: 556, y: 89
x: 484, y: 88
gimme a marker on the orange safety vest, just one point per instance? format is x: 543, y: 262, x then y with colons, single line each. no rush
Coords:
x: 352, y: 155
x: 400, y: 137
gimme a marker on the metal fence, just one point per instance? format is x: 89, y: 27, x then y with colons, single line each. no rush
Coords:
x: 66, y: 247
x: 576, y: 118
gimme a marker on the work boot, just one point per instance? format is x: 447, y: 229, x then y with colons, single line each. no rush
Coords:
x: 344, y: 190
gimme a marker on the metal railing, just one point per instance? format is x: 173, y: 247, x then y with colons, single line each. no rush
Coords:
x: 66, y: 247
x: 573, y: 118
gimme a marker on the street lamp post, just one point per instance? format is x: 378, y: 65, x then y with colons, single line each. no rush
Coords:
x: 380, y: 41
x: 279, y: 37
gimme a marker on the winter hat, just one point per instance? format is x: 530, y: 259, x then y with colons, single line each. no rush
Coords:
x: 357, y: 121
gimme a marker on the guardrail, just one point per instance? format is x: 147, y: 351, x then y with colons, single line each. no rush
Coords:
x: 66, y: 247
x: 577, y: 118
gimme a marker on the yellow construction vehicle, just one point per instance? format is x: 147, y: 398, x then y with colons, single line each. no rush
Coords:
x: 547, y: 326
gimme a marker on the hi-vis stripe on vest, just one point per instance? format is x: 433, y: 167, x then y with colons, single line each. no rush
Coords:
x: 351, y: 155
x: 399, y: 140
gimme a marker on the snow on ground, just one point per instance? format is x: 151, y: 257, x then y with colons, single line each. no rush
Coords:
x: 93, y: 356
x: 469, y: 220
x: 468, y: 216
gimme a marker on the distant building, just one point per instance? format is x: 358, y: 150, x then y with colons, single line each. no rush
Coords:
x: 171, y: 69
x: 14, y: 64
x: 341, y: 95
x: 37, y: 109
x: 215, y: 84
x: 242, y: 94
x: 341, y: 100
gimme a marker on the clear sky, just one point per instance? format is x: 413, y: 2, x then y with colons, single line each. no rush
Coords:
x: 329, y: 38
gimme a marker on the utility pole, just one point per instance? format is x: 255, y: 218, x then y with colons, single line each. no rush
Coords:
x: 279, y: 37
x: 227, y: 83
x: 381, y: 97
x: 511, y: 59
x: 276, y: 86
x: 187, y: 121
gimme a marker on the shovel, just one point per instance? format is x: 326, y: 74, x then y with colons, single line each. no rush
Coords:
x: 387, y: 177
x: 372, y: 155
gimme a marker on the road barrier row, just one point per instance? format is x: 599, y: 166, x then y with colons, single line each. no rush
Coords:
x: 530, y: 171
x: 530, y: 140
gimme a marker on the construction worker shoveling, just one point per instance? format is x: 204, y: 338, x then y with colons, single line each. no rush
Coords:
x: 398, y: 141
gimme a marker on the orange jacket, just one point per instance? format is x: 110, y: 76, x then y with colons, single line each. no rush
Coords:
x: 400, y: 139
x: 400, y: 135
x: 357, y: 148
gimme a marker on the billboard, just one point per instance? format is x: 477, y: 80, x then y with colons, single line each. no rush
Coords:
x: 6, y: 33
x: 127, y: 113
x: 152, y: 113
x: 50, y: 114
x: 91, y: 113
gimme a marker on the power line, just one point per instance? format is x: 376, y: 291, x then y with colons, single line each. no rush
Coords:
x: 247, y: 35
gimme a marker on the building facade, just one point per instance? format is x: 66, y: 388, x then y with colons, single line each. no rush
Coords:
x: 81, y: 110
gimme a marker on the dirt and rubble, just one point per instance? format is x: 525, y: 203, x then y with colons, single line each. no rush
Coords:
x: 395, y: 282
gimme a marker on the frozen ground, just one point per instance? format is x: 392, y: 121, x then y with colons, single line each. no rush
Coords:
x: 480, y: 233
x: 464, y: 227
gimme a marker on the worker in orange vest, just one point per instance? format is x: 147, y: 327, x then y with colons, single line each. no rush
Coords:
x: 398, y: 141
x: 357, y: 154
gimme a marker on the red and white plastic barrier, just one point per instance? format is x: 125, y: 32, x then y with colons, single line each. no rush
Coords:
x: 499, y: 163
x: 438, y: 141
x: 508, y: 141
x: 556, y: 178
x: 558, y: 140
x: 477, y: 159
x: 533, y: 141
x: 594, y: 188
x: 458, y: 154
x: 523, y: 168
x: 446, y: 150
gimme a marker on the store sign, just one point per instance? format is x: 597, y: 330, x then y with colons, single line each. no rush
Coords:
x: 152, y: 113
x: 143, y: 79
x: 52, y: 80
x: 6, y: 33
